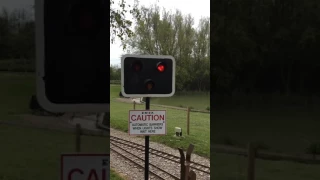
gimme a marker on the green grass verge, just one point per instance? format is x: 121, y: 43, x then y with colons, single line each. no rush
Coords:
x: 278, y: 130
x: 17, y: 65
x: 199, y: 125
x: 28, y: 153
x: 115, y: 176
x: 195, y: 100
x: 15, y: 93
x: 233, y: 167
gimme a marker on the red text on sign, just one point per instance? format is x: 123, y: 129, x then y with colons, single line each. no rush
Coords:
x: 93, y: 175
x: 147, y: 117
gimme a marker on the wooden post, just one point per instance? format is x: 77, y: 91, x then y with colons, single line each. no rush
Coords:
x: 251, y: 161
x: 182, y: 164
x: 185, y: 162
x: 134, y: 105
x: 188, y: 162
x: 192, y: 175
x: 187, y: 170
x: 188, y: 119
x: 78, y: 138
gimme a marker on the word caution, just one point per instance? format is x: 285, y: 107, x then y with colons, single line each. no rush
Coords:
x: 85, y: 167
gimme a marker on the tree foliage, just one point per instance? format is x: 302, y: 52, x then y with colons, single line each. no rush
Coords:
x: 16, y: 34
x: 119, y: 24
x: 165, y: 33
x: 115, y: 73
x: 266, y: 46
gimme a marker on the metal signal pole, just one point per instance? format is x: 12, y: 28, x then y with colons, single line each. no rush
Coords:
x: 146, y: 152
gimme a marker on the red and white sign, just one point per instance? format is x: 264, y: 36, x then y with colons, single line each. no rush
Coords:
x: 147, y: 122
x: 85, y: 167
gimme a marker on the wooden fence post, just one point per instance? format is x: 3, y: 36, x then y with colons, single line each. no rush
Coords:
x: 185, y: 162
x: 182, y: 164
x: 251, y: 161
x: 188, y: 120
x: 78, y: 137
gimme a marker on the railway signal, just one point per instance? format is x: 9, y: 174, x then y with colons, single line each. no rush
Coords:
x: 147, y: 76
x: 72, y: 41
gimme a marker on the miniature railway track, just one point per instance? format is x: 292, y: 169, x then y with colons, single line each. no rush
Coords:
x: 194, y: 165
x: 158, y: 172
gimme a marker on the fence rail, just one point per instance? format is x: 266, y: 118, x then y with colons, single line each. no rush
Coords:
x: 260, y: 154
x: 86, y: 132
x: 115, y: 82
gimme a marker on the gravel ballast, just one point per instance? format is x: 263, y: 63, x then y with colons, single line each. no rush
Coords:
x: 133, y: 172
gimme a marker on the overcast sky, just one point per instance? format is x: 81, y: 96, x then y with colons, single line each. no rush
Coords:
x: 197, y: 9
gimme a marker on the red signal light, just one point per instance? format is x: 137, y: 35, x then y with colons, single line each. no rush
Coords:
x: 161, y: 67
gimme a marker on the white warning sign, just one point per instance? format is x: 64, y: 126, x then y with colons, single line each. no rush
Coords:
x: 147, y: 122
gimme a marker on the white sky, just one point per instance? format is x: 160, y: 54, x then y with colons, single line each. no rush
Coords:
x: 197, y: 9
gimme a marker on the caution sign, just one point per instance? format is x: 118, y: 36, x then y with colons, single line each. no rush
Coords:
x: 85, y: 167
x: 147, y: 122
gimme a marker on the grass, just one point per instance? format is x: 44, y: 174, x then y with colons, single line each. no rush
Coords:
x: 290, y: 131
x: 15, y: 93
x: 195, y: 100
x: 115, y: 176
x: 199, y: 125
x: 17, y: 65
x: 28, y: 153
x: 232, y: 167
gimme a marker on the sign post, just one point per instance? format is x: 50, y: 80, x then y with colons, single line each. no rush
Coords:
x: 147, y: 122
x: 146, y: 152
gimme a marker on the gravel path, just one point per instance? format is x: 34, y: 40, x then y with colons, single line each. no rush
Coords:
x: 132, y: 172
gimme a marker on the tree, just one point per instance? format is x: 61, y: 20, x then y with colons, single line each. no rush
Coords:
x: 266, y: 46
x: 166, y: 33
x: 119, y: 24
